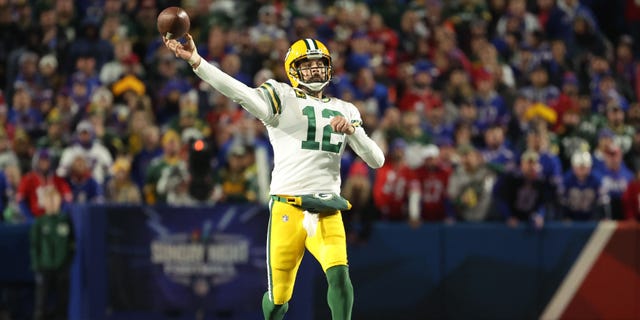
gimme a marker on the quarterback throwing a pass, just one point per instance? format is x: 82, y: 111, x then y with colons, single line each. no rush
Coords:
x: 308, y: 132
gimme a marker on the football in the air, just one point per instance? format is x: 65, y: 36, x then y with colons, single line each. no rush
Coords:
x: 173, y: 22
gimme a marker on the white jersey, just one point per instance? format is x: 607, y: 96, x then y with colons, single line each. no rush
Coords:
x: 98, y: 159
x: 306, y: 150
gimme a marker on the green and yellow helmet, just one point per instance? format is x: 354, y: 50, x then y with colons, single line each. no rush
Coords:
x: 304, y: 49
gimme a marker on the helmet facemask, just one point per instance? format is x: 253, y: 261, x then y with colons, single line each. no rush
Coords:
x: 315, y: 80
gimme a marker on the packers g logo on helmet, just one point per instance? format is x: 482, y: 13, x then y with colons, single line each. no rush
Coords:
x: 302, y: 50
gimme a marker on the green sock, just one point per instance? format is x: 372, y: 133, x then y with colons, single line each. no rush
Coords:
x: 273, y: 311
x: 340, y: 292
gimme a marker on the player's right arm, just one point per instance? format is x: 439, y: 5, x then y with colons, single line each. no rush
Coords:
x: 249, y: 98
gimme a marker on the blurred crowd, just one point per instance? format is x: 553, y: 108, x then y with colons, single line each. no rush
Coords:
x: 509, y: 110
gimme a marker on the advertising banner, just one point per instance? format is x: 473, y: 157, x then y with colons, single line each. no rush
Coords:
x: 176, y: 260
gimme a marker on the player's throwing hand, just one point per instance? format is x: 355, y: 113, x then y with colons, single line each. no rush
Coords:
x: 186, y: 51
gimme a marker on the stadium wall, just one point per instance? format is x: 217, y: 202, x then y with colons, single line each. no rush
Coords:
x: 174, y: 263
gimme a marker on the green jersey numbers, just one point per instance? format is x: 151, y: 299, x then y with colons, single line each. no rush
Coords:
x: 311, y: 143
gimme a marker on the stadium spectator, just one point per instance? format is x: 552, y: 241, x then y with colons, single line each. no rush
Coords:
x: 570, y: 139
x: 581, y: 193
x: 449, y: 158
x: 539, y: 142
x: 96, y: 154
x: 409, y: 129
x: 163, y: 168
x: 52, y: 249
x: 491, y: 106
x: 553, y: 20
x: 130, y: 90
x: 107, y: 136
x: 489, y: 61
x: 87, y: 71
x: 389, y: 187
x: 517, y: 19
x: 112, y: 119
x: 539, y: 89
x: 586, y: 38
x: 615, y: 121
x: 385, y: 45
x: 436, y: 125
x: 458, y: 86
x: 604, y: 140
x: 215, y: 47
x: 89, y: 44
x: 174, y: 183
x: 23, y: 113
x: 138, y: 122
x: 84, y: 187
x: 150, y: 149
x: 27, y: 74
x: 188, y: 116
x: 606, y: 93
x: 52, y: 79
x: 467, y: 118
x: 462, y: 133
x: 427, y: 188
x: 236, y: 185
x: 267, y: 25
x: 171, y: 85
x: 446, y: 54
x: 615, y: 177
x: 567, y: 100
x: 523, y: 195
x: 413, y: 32
x: 120, y: 188
x: 56, y: 139
x: 232, y: 65
x: 421, y: 97
x: 627, y: 68
x: 33, y: 183
x: 23, y: 149
x: 496, y: 153
x: 470, y: 187
x: 463, y: 15
x: 125, y: 61
x: 368, y: 89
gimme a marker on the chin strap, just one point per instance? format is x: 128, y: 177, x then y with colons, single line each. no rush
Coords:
x: 314, y: 86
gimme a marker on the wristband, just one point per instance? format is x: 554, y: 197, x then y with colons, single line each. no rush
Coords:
x: 194, y: 60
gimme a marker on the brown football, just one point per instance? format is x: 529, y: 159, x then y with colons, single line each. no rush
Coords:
x: 173, y: 22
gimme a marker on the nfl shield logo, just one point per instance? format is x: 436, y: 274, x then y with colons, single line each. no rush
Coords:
x: 285, y: 218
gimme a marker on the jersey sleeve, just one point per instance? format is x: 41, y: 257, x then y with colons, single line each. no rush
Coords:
x: 262, y: 102
x: 361, y: 143
x: 271, y: 92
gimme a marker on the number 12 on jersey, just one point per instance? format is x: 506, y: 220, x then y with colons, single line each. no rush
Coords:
x: 311, y: 143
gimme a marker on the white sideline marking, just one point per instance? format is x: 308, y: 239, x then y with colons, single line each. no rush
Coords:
x: 579, y: 270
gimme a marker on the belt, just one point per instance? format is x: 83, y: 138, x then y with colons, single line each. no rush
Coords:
x: 293, y: 200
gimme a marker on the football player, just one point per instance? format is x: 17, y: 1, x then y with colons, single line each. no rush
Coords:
x: 308, y: 132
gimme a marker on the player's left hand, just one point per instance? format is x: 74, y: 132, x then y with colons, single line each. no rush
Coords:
x: 340, y: 124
